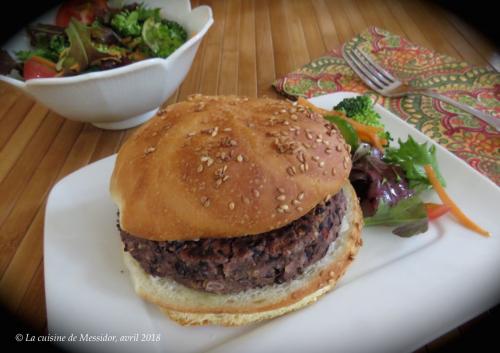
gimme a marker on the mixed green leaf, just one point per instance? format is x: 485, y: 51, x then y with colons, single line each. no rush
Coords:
x: 409, y: 215
x: 412, y: 157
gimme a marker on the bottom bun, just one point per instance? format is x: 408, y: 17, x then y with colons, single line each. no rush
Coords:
x: 192, y: 307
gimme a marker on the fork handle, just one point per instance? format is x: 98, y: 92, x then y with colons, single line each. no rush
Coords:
x: 491, y: 120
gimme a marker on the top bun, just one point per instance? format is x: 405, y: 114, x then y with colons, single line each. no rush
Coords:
x: 218, y: 167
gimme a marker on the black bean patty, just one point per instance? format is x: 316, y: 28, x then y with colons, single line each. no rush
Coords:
x: 231, y: 265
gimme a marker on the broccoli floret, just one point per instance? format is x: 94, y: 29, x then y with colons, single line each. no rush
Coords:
x: 127, y: 23
x: 145, y: 13
x: 163, y: 37
x: 57, y: 44
x: 360, y: 109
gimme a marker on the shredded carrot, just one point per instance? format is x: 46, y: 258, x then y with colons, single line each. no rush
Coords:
x: 365, y: 132
x: 372, y: 139
x: 435, y: 210
x: 377, y: 142
x: 455, y: 210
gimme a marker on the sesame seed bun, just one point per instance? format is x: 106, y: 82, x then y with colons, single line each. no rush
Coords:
x: 214, y: 167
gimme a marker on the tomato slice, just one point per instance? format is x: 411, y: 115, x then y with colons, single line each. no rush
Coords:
x: 435, y: 210
x: 84, y: 11
x: 38, y: 67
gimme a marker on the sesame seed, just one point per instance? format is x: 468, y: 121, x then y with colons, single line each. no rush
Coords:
x: 345, y: 164
x: 239, y: 158
x: 290, y: 171
x: 210, y: 161
x: 334, y: 171
x: 295, y: 202
x: 300, y: 157
x: 233, y: 143
x: 279, y: 210
x: 246, y: 200
x: 191, y: 134
x: 302, y: 167
x: 149, y: 150
x: 306, y: 166
x: 300, y: 209
x: 200, y: 168
x: 315, y: 158
x: 214, y: 131
x: 224, y: 168
x: 256, y: 192
x: 204, y: 158
x: 319, y: 140
x: 294, y: 117
x: 301, y: 196
x: 281, y: 198
x: 283, y: 207
x: 321, y: 164
x: 326, y: 142
x: 338, y: 148
x: 225, y: 178
x: 199, y: 107
x: 281, y: 190
x: 227, y: 129
x: 231, y: 205
x: 328, y: 150
x: 276, y: 113
x: 309, y: 136
x: 328, y: 197
x: 283, y: 111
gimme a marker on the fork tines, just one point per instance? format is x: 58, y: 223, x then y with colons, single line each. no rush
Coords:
x: 368, y: 70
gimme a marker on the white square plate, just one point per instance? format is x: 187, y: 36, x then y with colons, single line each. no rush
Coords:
x: 398, y: 294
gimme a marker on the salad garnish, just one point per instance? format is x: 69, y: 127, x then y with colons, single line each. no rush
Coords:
x: 389, y: 180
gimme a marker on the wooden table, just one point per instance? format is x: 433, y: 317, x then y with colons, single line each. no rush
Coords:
x: 250, y: 44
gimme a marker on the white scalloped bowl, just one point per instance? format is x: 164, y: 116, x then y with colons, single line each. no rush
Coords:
x: 126, y: 96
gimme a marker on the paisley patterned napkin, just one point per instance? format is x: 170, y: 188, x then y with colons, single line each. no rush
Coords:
x: 466, y: 136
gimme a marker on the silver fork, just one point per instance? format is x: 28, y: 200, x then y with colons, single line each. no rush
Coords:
x: 381, y: 81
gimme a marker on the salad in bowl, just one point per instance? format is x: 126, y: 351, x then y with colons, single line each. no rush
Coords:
x: 109, y: 63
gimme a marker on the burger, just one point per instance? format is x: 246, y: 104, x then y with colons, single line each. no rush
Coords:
x: 235, y: 210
